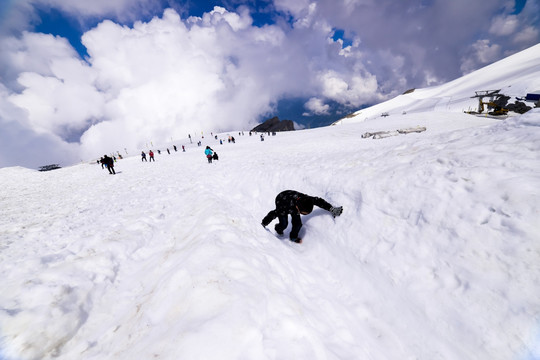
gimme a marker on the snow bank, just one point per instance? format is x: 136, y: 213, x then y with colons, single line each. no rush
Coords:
x: 435, y: 256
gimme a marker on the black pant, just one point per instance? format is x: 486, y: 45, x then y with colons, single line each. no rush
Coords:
x: 111, y: 169
x: 284, y: 222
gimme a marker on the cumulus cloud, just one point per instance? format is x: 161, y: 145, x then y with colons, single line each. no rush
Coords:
x: 31, y: 52
x: 481, y: 53
x: 59, y: 95
x: 169, y: 77
x: 22, y: 145
x: 527, y: 35
x: 50, y: 102
x: 350, y: 90
x: 431, y: 39
x: 316, y: 106
x: 504, y: 25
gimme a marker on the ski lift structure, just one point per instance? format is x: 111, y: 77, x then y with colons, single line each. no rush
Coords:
x: 493, y: 100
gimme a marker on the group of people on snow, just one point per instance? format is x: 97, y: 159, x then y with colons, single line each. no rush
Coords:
x: 287, y: 203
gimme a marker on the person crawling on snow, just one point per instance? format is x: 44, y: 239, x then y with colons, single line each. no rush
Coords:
x: 294, y: 203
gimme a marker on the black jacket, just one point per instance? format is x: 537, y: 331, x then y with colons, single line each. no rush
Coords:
x: 286, y: 202
x: 107, y: 160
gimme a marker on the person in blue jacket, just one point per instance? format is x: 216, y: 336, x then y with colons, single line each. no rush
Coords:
x: 294, y: 203
x: 209, y: 152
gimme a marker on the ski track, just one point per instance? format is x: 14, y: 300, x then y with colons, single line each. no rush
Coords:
x: 435, y: 255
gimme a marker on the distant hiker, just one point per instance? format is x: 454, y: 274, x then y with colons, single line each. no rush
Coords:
x: 143, y: 156
x: 168, y: 151
x: 102, y: 162
x: 174, y: 147
x: 109, y: 162
x: 209, y: 152
x: 262, y: 137
x: 215, y: 156
x: 151, y: 153
x: 294, y: 203
x: 159, y: 151
x: 183, y: 148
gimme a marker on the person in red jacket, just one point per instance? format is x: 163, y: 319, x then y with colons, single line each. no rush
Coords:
x: 151, y: 153
x: 294, y: 203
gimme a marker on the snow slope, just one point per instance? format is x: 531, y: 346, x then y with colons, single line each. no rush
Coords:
x: 436, y: 254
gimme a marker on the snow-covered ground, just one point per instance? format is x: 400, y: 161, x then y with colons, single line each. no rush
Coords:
x: 436, y: 254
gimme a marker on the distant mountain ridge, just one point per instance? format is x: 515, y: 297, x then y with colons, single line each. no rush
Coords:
x: 274, y: 124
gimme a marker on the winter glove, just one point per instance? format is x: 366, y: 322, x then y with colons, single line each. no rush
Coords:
x: 336, y: 211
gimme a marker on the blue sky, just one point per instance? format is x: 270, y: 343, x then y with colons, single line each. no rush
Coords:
x: 73, y: 72
x: 56, y: 22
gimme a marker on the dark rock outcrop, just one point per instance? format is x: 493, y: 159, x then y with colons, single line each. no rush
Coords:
x: 274, y: 124
x: 49, y: 167
x: 519, y: 107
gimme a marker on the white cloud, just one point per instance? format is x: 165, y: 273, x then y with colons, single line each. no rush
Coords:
x: 515, y: 26
x: 527, y: 35
x: 235, y: 20
x: 31, y: 52
x: 168, y: 78
x: 444, y: 31
x: 50, y: 102
x: 316, y: 106
x: 504, y: 25
x: 58, y: 106
x: 298, y: 8
x: 59, y: 93
x: 481, y: 54
x: 352, y: 90
x: 21, y: 145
